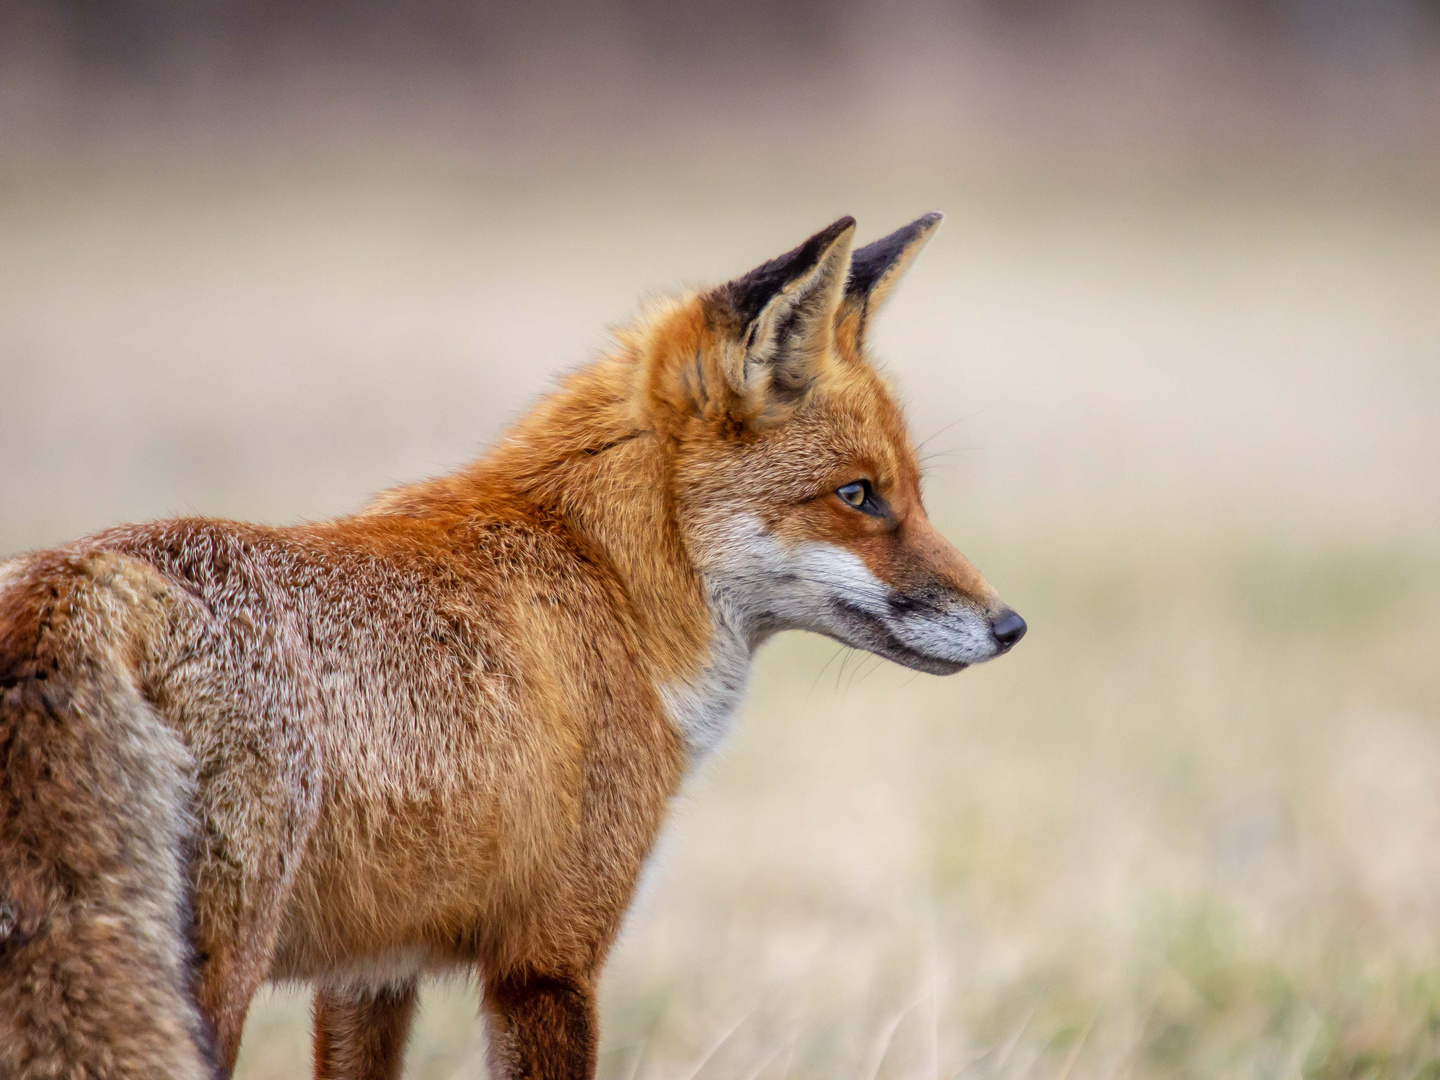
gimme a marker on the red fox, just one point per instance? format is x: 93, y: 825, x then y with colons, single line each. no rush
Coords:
x: 442, y: 733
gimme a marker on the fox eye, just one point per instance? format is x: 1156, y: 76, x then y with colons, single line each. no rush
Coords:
x: 860, y: 495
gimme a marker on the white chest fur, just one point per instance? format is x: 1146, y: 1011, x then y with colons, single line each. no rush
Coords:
x: 703, y: 707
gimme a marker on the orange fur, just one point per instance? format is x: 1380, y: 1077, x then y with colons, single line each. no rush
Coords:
x: 444, y: 732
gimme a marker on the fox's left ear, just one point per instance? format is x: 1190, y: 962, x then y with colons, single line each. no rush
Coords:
x: 781, y: 316
x: 876, y: 268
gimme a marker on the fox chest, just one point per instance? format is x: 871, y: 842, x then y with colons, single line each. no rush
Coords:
x: 702, y: 708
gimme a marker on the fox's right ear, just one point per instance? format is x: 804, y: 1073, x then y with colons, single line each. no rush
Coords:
x: 780, y: 317
x: 875, y: 269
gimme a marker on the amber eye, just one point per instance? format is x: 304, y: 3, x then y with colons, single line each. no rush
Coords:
x: 860, y: 495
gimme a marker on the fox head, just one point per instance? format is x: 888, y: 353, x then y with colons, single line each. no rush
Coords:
x: 795, y: 480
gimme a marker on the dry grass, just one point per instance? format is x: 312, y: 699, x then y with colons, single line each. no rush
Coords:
x: 1191, y: 828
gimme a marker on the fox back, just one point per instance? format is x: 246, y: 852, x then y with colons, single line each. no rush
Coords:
x: 442, y: 733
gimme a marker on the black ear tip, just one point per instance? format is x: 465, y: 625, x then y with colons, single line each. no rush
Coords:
x: 831, y: 233
x: 748, y: 294
x: 871, y: 263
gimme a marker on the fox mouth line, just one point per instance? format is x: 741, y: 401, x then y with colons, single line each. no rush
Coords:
x: 884, y: 642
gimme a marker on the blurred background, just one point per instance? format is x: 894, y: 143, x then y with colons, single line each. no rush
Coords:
x: 1175, y: 357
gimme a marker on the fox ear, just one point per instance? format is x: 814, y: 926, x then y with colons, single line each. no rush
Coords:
x: 875, y: 269
x: 783, y: 314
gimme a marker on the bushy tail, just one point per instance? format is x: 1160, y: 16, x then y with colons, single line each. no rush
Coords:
x: 95, y: 967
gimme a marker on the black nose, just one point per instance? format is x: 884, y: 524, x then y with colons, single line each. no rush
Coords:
x: 1008, y: 628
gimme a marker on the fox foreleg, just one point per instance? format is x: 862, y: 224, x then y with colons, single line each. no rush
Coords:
x: 542, y: 1027
x: 360, y: 1034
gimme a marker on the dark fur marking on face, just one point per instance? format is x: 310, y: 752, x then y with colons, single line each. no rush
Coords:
x: 901, y: 604
x: 593, y: 451
x: 874, y: 625
x: 884, y: 643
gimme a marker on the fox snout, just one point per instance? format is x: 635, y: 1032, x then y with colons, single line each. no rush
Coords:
x: 944, y: 630
x: 940, y: 605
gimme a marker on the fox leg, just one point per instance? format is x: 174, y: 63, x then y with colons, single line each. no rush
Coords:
x: 256, y: 804
x: 360, y: 1034
x: 542, y: 1027
x: 231, y: 971
x: 251, y: 840
x: 254, y: 827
